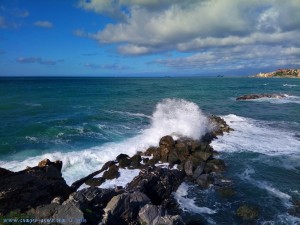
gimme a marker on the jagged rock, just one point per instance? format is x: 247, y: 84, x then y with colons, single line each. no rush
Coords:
x: 135, y: 161
x: 155, y: 215
x: 111, y: 173
x: 5, y: 172
x: 182, y: 151
x: 247, y: 212
x: 166, y: 141
x: 166, y: 144
x: 204, y: 156
x: 86, y: 204
x: 188, y: 167
x: 157, y: 183
x: 124, y: 162
x: 94, y: 182
x: 121, y: 156
x: 46, y: 162
x: 107, y: 165
x: 215, y: 165
x: 199, y: 170
x: 204, y: 180
x: 31, y: 187
x: 124, y: 208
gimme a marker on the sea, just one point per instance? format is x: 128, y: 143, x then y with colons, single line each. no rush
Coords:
x: 87, y: 121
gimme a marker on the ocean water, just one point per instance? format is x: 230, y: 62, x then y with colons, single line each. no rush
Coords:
x: 86, y: 121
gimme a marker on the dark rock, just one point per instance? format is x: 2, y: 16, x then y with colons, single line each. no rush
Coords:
x: 188, y: 167
x: 196, y: 161
x: 152, y: 162
x: 46, y: 162
x: 204, y: 156
x: 226, y: 192
x: 111, y: 173
x: 157, y: 183
x: 124, y: 162
x: 107, y: 165
x: 155, y: 215
x: 32, y: 187
x: 257, y: 96
x: 295, y: 209
x: 204, y: 180
x: 166, y: 141
x: 86, y: 204
x: 247, y: 212
x: 182, y: 151
x: 124, y: 208
x: 5, y: 172
x: 121, y: 156
x: 164, y: 153
x: 152, y: 151
x: 145, y: 160
x: 135, y: 161
x: 199, y: 170
x: 94, y: 182
x: 215, y: 165
x: 173, y: 157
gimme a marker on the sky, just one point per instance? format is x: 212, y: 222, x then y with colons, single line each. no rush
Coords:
x: 148, y: 37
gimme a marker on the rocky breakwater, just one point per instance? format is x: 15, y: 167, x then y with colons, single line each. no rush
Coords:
x: 42, y: 193
x: 258, y: 96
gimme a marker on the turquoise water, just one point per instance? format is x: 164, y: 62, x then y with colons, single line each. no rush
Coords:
x: 86, y: 121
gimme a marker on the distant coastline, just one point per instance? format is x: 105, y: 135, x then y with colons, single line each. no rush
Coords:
x: 280, y: 73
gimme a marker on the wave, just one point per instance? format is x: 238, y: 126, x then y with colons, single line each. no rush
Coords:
x: 176, y: 117
x: 289, y: 85
x: 188, y: 204
x: 129, y: 114
x: 276, y: 100
x: 255, y: 136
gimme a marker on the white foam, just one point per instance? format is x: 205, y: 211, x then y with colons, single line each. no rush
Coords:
x: 125, y: 177
x: 256, y: 136
x: 279, y: 100
x: 188, y: 204
x: 246, y: 175
x: 289, y: 85
x: 129, y: 114
x: 172, y: 116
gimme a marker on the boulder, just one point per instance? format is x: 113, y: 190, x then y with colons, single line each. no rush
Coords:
x: 94, y: 182
x: 204, y: 180
x: 32, y: 187
x: 124, y: 162
x: 155, y: 215
x: 135, y: 161
x: 111, y: 173
x: 157, y: 183
x: 150, y: 151
x: 257, y: 96
x: 188, y: 167
x: 215, y: 165
x: 121, y: 156
x: 199, y: 170
x: 182, y: 151
x: 167, y: 141
x: 123, y: 209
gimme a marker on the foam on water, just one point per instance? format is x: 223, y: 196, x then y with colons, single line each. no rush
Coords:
x: 171, y: 116
x: 188, y: 204
x: 246, y: 175
x: 279, y: 100
x: 129, y: 114
x: 256, y: 136
x: 289, y: 85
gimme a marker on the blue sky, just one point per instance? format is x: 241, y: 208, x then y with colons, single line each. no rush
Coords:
x: 147, y: 37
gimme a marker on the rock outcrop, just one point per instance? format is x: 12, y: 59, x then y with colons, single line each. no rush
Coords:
x: 257, y: 96
x: 32, y: 187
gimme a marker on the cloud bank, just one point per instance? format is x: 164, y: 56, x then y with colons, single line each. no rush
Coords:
x: 209, y: 29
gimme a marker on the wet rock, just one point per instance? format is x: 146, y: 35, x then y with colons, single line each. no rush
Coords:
x: 204, y: 156
x: 31, y: 187
x: 5, y: 172
x: 152, y: 162
x: 257, y: 96
x: 166, y: 141
x: 199, y: 170
x: 152, y: 151
x: 188, y: 167
x: 247, y: 212
x: 215, y: 165
x: 124, y: 162
x: 157, y: 183
x: 155, y: 215
x: 124, y: 208
x: 46, y: 162
x: 135, y: 161
x: 173, y: 157
x: 295, y: 210
x: 182, y: 151
x: 94, y: 182
x: 226, y: 192
x: 204, y: 180
x: 107, y: 165
x: 196, y: 161
x: 121, y: 156
x: 111, y: 173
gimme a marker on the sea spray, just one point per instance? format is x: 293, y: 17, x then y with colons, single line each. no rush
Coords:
x: 176, y: 117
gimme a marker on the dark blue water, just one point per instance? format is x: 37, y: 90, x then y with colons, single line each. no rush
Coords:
x: 85, y: 121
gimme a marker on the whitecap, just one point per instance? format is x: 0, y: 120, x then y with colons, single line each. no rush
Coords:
x: 188, y: 204
x: 256, y: 136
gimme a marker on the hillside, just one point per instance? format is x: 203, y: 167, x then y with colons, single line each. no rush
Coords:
x: 283, y: 73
